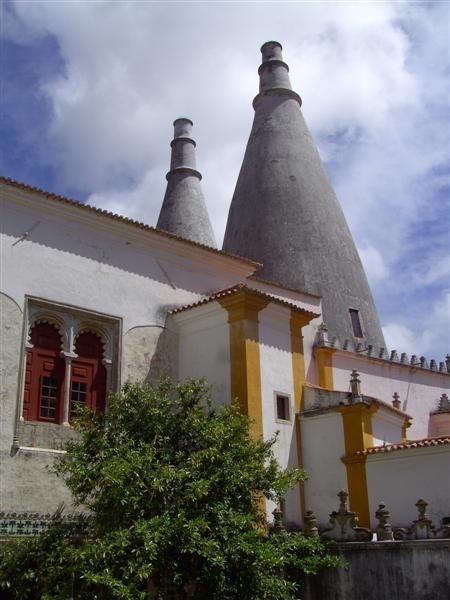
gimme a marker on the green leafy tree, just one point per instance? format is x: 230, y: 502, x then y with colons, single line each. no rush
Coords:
x: 175, y: 489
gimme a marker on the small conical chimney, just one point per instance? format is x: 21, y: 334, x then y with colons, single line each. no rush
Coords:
x: 285, y: 214
x: 183, y: 211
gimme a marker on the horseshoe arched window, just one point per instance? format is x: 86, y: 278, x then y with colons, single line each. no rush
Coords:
x: 70, y: 359
x: 44, y: 375
x: 88, y: 380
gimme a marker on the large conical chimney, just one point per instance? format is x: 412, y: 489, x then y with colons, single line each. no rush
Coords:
x: 285, y: 214
x: 183, y: 211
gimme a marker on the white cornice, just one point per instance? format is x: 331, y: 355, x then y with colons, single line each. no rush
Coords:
x: 199, y: 313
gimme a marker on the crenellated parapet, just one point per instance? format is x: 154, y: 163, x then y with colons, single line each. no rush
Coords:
x: 323, y: 340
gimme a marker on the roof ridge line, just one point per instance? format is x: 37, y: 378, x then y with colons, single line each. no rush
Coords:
x: 114, y: 216
x: 441, y: 440
x: 234, y: 289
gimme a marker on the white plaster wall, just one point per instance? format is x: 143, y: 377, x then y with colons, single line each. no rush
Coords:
x: 25, y: 481
x: 399, y: 478
x: 276, y: 373
x: 76, y: 258
x: 100, y: 265
x: 204, y: 348
x: 309, y: 339
x: 277, y: 377
x: 11, y: 321
x: 308, y: 302
x: 28, y: 484
x: 419, y: 389
x: 10, y: 332
x: 149, y: 353
x: 386, y: 427
x: 87, y: 267
x: 322, y: 439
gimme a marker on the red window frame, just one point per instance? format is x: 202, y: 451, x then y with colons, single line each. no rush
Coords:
x: 88, y: 380
x: 44, y: 376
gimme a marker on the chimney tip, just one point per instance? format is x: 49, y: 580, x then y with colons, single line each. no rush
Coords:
x: 182, y: 127
x: 271, y: 51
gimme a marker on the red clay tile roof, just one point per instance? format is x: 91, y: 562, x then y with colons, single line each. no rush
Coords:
x: 425, y: 443
x: 120, y: 218
x: 234, y: 290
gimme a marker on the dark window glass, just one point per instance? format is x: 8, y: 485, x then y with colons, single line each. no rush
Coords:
x: 283, y: 408
x: 77, y: 396
x: 356, y: 323
x: 49, y: 398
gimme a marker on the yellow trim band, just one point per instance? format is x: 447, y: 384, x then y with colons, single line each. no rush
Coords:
x: 357, y: 424
x: 245, y: 367
x: 324, y: 358
x: 298, y: 321
x: 357, y: 487
x: 406, y: 424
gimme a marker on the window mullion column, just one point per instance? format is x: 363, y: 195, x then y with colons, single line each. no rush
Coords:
x: 68, y: 357
x: 107, y: 363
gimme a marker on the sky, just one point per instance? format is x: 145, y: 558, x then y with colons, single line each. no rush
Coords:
x: 90, y: 90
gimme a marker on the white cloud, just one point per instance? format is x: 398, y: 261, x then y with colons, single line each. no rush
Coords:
x: 433, y: 333
x: 138, y: 203
x: 133, y: 67
x: 400, y: 337
x: 436, y: 272
x: 373, y: 262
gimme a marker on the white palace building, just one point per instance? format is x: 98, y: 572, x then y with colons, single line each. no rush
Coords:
x: 282, y: 318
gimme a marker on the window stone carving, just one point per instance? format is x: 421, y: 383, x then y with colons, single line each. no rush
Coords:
x: 70, y: 357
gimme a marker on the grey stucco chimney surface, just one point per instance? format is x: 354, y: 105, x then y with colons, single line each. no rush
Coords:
x: 183, y: 211
x: 285, y: 214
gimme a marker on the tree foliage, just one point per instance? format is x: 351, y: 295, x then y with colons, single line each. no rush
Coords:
x: 175, y: 491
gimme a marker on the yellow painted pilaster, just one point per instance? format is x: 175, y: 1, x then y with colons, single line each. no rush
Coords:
x: 245, y: 368
x: 324, y: 359
x: 298, y: 321
x: 357, y: 424
x: 357, y: 487
x: 357, y: 419
x: 406, y: 424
